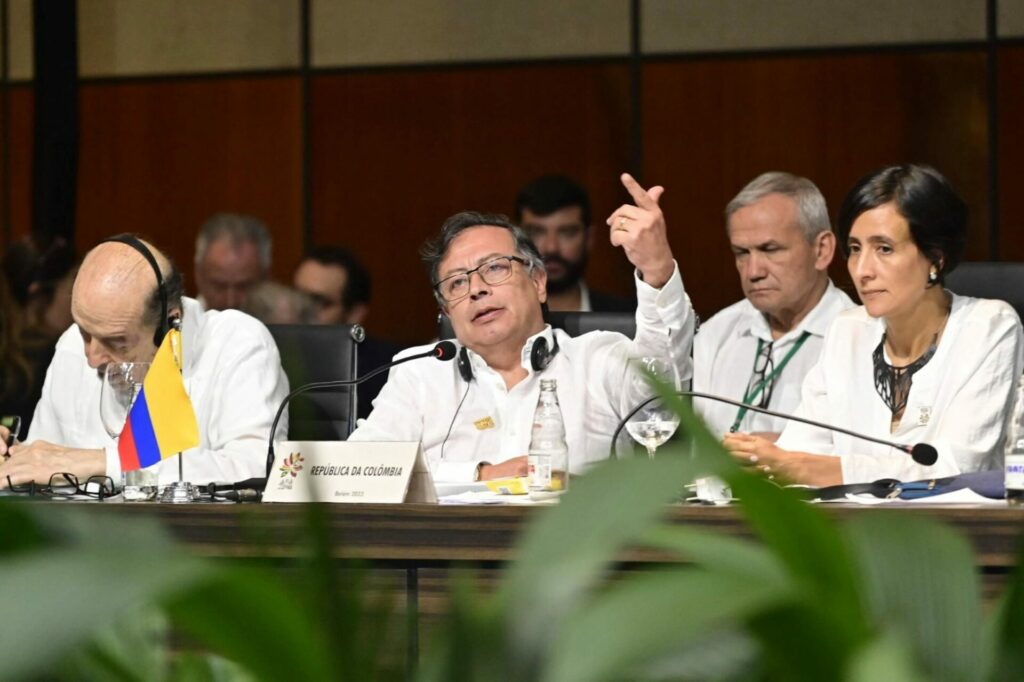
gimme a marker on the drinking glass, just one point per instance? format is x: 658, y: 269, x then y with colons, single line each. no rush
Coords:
x: 655, y: 423
x: 122, y: 383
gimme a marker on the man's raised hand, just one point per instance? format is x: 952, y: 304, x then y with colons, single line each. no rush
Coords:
x: 640, y: 230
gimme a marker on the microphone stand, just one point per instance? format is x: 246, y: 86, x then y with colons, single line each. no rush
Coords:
x: 922, y: 453
x: 444, y: 351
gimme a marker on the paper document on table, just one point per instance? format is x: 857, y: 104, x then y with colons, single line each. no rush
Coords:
x: 488, y: 497
x: 962, y: 496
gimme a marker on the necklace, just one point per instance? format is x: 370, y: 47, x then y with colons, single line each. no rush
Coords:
x: 893, y: 383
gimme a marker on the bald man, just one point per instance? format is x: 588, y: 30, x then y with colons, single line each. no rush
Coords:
x: 230, y: 367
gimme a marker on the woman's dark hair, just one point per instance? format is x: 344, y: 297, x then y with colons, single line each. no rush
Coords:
x: 935, y: 212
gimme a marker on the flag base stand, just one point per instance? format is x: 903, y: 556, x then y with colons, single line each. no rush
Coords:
x: 179, y: 492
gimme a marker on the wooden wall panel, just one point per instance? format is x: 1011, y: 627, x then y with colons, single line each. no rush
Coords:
x: 395, y: 153
x: 710, y: 126
x: 160, y: 157
x: 22, y: 103
x: 1011, y: 153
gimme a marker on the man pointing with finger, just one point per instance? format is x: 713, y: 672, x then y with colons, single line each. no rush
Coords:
x: 474, y: 416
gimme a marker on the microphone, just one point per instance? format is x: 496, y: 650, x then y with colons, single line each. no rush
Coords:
x: 922, y: 453
x: 443, y: 351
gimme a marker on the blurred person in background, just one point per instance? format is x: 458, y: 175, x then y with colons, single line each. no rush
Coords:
x: 36, y: 309
x: 22, y: 365
x: 555, y: 212
x: 273, y: 303
x: 39, y: 278
x: 340, y: 285
x: 232, y: 256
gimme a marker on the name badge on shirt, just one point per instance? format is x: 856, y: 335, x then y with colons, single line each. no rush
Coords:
x: 924, y: 416
x: 484, y: 424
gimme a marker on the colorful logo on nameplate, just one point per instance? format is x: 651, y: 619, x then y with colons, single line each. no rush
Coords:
x: 290, y: 468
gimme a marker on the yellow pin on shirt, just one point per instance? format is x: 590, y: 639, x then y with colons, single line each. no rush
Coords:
x: 484, y: 424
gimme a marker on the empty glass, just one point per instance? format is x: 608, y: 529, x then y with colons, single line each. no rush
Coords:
x: 655, y: 423
x: 122, y: 383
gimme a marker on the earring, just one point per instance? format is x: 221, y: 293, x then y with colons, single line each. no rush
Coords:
x: 933, y: 276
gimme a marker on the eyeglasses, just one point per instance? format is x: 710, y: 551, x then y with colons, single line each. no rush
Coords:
x: 494, y: 271
x: 762, y: 381
x: 67, y: 485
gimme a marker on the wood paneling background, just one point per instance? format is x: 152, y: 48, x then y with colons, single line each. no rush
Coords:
x: 712, y: 125
x: 395, y: 151
x: 1011, y: 153
x: 158, y: 158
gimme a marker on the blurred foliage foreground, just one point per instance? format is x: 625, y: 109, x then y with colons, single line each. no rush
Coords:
x: 885, y: 596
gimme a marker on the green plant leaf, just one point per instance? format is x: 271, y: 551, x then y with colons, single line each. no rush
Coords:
x: 249, y: 617
x: 566, y: 550
x: 720, y: 552
x: 1004, y: 630
x: 81, y: 582
x: 651, y: 614
x: 885, y: 658
x: 921, y: 583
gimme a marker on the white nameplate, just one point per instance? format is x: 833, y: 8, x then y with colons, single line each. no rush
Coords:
x: 340, y: 471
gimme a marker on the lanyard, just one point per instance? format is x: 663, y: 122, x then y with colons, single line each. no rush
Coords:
x: 755, y: 391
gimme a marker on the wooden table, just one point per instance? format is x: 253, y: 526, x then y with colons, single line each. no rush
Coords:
x: 421, y: 543
x: 415, y: 535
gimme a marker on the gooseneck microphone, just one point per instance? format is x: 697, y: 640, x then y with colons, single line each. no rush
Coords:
x: 922, y: 453
x: 443, y: 351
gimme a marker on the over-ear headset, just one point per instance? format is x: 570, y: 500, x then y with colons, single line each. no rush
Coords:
x: 165, y: 320
x: 540, y: 357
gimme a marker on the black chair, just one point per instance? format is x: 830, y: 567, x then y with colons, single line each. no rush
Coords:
x: 319, y: 353
x: 574, y: 324
x: 1004, y: 281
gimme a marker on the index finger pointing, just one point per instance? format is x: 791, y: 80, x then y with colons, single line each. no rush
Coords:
x: 639, y: 194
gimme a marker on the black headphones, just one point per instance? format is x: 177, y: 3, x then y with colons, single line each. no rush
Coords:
x: 540, y: 357
x: 166, y: 322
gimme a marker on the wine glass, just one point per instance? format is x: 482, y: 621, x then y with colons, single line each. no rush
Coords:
x: 654, y: 423
x: 122, y: 383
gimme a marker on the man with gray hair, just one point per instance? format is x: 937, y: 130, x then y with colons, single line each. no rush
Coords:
x: 759, y: 349
x: 474, y: 417
x: 232, y: 257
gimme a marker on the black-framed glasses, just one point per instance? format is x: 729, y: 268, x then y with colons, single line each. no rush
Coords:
x: 762, y: 381
x: 67, y: 485
x: 494, y: 271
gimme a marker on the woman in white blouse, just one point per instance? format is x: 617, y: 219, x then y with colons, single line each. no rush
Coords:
x: 916, y: 363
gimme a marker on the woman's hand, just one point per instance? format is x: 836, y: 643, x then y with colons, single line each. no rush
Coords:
x: 776, y: 463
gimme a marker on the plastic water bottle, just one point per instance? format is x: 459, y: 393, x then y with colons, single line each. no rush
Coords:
x: 1014, y: 459
x: 548, y: 459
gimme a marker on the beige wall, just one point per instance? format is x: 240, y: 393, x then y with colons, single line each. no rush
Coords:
x: 714, y: 25
x: 404, y: 31
x: 143, y: 37
x: 19, y: 21
x: 154, y: 37
x: 1011, y: 18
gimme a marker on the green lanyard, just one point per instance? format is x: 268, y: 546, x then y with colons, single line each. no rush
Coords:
x: 752, y: 393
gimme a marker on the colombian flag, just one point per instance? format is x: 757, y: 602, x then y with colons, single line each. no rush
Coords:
x: 162, y: 422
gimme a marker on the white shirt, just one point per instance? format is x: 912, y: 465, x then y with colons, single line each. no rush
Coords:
x: 723, y: 360
x: 232, y: 372
x: 958, y: 403
x: 421, y: 399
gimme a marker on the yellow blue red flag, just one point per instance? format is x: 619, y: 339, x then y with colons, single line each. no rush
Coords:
x: 162, y: 422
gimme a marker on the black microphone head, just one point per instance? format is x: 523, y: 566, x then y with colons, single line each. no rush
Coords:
x: 925, y: 454
x: 445, y: 350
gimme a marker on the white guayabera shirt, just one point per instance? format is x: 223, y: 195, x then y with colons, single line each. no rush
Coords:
x: 422, y: 397
x: 723, y: 360
x: 959, y: 401
x: 232, y: 372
